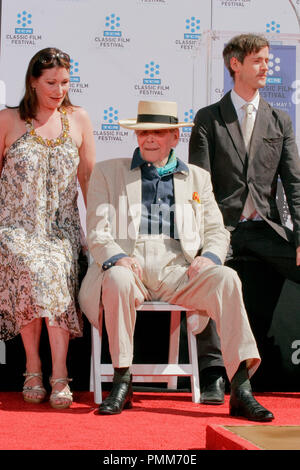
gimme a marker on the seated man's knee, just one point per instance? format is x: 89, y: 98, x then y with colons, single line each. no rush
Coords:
x: 228, y: 275
x: 117, y: 278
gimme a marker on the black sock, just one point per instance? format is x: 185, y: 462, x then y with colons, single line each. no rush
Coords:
x: 240, y: 379
x: 121, y: 375
x: 211, y: 374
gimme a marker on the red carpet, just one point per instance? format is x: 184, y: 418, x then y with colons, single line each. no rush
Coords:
x: 158, y: 421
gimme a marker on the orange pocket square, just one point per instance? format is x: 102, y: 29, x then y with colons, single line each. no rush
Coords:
x: 196, y: 197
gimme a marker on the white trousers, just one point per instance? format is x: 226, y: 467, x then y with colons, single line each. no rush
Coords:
x: 214, y: 292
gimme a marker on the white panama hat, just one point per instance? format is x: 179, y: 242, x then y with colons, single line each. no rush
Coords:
x: 155, y: 115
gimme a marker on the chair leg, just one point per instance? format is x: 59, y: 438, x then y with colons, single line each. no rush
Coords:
x: 92, y: 375
x: 174, y: 345
x: 193, y: 355
x: 95, y: 379
x: 174, y: 338
x: 2, y: 352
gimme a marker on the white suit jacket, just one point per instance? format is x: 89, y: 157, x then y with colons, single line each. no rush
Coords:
x: 114, y: 204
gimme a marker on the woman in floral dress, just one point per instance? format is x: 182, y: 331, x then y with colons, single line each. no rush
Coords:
x: 45, y: 145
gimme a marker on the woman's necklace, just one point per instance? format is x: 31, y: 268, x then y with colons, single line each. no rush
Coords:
x: 52, y: 142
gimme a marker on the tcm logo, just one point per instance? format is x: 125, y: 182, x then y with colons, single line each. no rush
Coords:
x: 188, y: 117
x: 110, y: 119
x: 274, y: 69
x: 112, y: 25
x: 192, y: 28
x: 152, y: 72
x: 74, y: 70
x: 24, y: 22
x: 273, y: 27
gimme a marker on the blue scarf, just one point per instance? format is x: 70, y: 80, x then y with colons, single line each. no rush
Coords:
x: 169, y: 166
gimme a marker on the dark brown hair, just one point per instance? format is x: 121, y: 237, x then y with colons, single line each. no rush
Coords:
x: 44, y: 59
x: 241, y: 46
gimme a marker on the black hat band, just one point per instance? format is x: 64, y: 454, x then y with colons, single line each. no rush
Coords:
x: 157, y: 118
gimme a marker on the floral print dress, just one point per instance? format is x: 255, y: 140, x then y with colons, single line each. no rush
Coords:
x: 39, y: 233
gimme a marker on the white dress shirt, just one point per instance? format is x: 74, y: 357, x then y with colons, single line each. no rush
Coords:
x: 238, y: 102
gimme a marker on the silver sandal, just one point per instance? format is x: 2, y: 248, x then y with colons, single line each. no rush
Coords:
x: 64, y: 395
x: 38, y: 390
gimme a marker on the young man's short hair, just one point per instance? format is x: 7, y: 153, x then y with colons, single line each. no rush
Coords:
x: 241, y: 46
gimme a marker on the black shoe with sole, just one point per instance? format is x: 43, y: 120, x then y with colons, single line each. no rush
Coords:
x: 212, y: 385
x: 120, y: 397
x: 243, y: 404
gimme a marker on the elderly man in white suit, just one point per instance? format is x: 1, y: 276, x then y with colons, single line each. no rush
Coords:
x: 155, y: 232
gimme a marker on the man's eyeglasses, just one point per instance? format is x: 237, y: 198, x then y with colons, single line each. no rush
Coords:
x: 49, y: 57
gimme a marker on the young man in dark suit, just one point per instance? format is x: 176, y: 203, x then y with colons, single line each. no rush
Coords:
x: 246, y: 144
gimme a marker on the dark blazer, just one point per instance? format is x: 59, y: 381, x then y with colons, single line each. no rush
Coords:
x: 217, y: 145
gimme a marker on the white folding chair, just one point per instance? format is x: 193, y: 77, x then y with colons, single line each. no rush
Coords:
x: 152, y: 372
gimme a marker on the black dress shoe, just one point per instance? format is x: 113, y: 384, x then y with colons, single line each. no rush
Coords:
x: 120, y: 397
x: 242, y: 403
x: 212, y: 387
